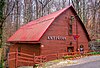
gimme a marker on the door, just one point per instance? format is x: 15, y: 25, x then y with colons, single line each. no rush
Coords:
x: 31, y: 49
x: 36, y: 49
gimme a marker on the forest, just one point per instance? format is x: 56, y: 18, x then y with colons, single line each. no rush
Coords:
x: 16, y: 13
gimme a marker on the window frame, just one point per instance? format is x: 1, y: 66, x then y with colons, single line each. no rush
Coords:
x: 70, y: 25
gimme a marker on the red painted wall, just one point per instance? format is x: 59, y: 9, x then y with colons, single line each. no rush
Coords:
x: 25, y: 48
x: 60, y: 28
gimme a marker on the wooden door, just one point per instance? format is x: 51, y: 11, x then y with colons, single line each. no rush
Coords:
x: 36, y: 49
x: 31, y: 49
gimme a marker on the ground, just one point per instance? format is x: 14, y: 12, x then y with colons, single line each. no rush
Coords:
x: 93, y: 64
x: 84, y: 61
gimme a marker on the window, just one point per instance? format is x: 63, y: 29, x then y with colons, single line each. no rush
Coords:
x: 71, y: 43
x: 70, y: 25
x: 70, y: 29
x: 19, y: 50
x: 81, y: 46
x: 70, y: 49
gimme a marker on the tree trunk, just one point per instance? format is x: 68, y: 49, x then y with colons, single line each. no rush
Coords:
x: 1, y: 33
x: 17, y: 20
x: 36, y: 8
x: 84, y: 11
x: 2, y: 3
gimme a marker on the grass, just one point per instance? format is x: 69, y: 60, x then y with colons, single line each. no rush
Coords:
x: 56, y: 60
x: 68, y: 56
x: 77, y: 55
x: 94, y: 53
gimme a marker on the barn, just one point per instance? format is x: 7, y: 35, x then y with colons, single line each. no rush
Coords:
x: 59, y: 32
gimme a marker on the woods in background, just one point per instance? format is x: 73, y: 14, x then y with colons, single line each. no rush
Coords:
x: 16, y: 13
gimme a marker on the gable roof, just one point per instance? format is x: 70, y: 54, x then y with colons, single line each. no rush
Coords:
x: 35, y: 29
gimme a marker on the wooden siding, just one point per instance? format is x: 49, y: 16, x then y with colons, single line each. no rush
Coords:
x: 32, y: 49
x: 60, y: 28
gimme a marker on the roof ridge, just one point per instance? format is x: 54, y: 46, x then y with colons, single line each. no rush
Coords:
x: 36, y: 21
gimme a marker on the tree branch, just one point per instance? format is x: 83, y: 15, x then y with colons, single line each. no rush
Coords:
x: 4, y: 18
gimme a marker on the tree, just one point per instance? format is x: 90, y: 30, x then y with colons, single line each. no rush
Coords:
x: 2, y: 3
x: 43, y: 4
x: 3, y: 16
x: 93, y: 24
x: 19, y: 12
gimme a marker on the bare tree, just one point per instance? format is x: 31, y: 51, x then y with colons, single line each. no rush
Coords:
x: 93, y: 17
x: 19, y: 12
x: 4, y: 14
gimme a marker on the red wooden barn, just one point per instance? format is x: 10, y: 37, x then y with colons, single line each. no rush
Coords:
x: 59, y: 32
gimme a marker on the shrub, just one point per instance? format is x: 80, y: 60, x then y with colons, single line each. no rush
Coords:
x: 95, y: 53
x: 77, y: 55
x: 36, y: 65
x: 0, y: 65
x: 68, y: 56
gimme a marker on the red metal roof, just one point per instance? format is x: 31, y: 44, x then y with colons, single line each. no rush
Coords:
x: 35, y: 29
